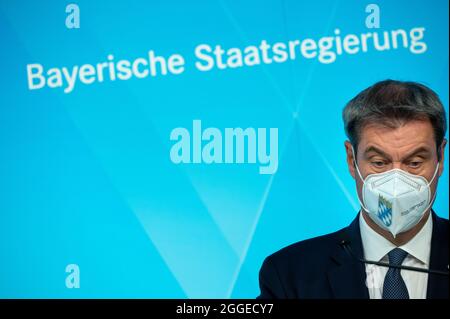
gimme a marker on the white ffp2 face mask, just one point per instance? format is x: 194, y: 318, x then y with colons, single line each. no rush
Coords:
x: 396, y: 200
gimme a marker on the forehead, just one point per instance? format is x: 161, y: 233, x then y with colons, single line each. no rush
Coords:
x: 399, y: 140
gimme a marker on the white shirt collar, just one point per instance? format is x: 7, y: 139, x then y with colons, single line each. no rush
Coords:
x: 376, y: 246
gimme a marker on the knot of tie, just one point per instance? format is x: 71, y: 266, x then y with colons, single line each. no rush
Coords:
x: 396, y: 256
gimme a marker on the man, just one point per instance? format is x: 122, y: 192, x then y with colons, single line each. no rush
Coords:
x: 395, y: 153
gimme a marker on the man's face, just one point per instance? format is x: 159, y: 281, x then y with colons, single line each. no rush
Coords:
x: 410, y: 147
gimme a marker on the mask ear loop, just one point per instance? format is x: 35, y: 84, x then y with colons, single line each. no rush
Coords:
x: 362, y: 179
x: 434, y: 175
x: 435, y: 191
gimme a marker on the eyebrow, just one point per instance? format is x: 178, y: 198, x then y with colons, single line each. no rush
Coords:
x: 375, y: 149
x: 421, y: 149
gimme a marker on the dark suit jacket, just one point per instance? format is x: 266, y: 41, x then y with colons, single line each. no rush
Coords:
x: 320, y: 267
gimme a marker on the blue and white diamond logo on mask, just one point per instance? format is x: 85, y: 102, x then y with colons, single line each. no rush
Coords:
x: 384, y: 210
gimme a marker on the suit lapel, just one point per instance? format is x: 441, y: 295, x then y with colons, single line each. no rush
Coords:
x: 347, y: 276
x: 438, y: 285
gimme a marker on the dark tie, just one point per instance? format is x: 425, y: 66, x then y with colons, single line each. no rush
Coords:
x: 394, y: 287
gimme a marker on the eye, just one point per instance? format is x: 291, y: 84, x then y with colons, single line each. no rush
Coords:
x: 378, y: 164
x: 414, y: 164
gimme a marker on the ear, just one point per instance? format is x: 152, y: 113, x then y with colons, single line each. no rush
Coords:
x: 350, y: 159
x: 441, y: 153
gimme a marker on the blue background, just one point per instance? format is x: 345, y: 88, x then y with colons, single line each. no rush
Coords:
x: 86, y: 177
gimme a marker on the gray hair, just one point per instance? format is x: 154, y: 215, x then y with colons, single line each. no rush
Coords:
x: 392, y: 103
